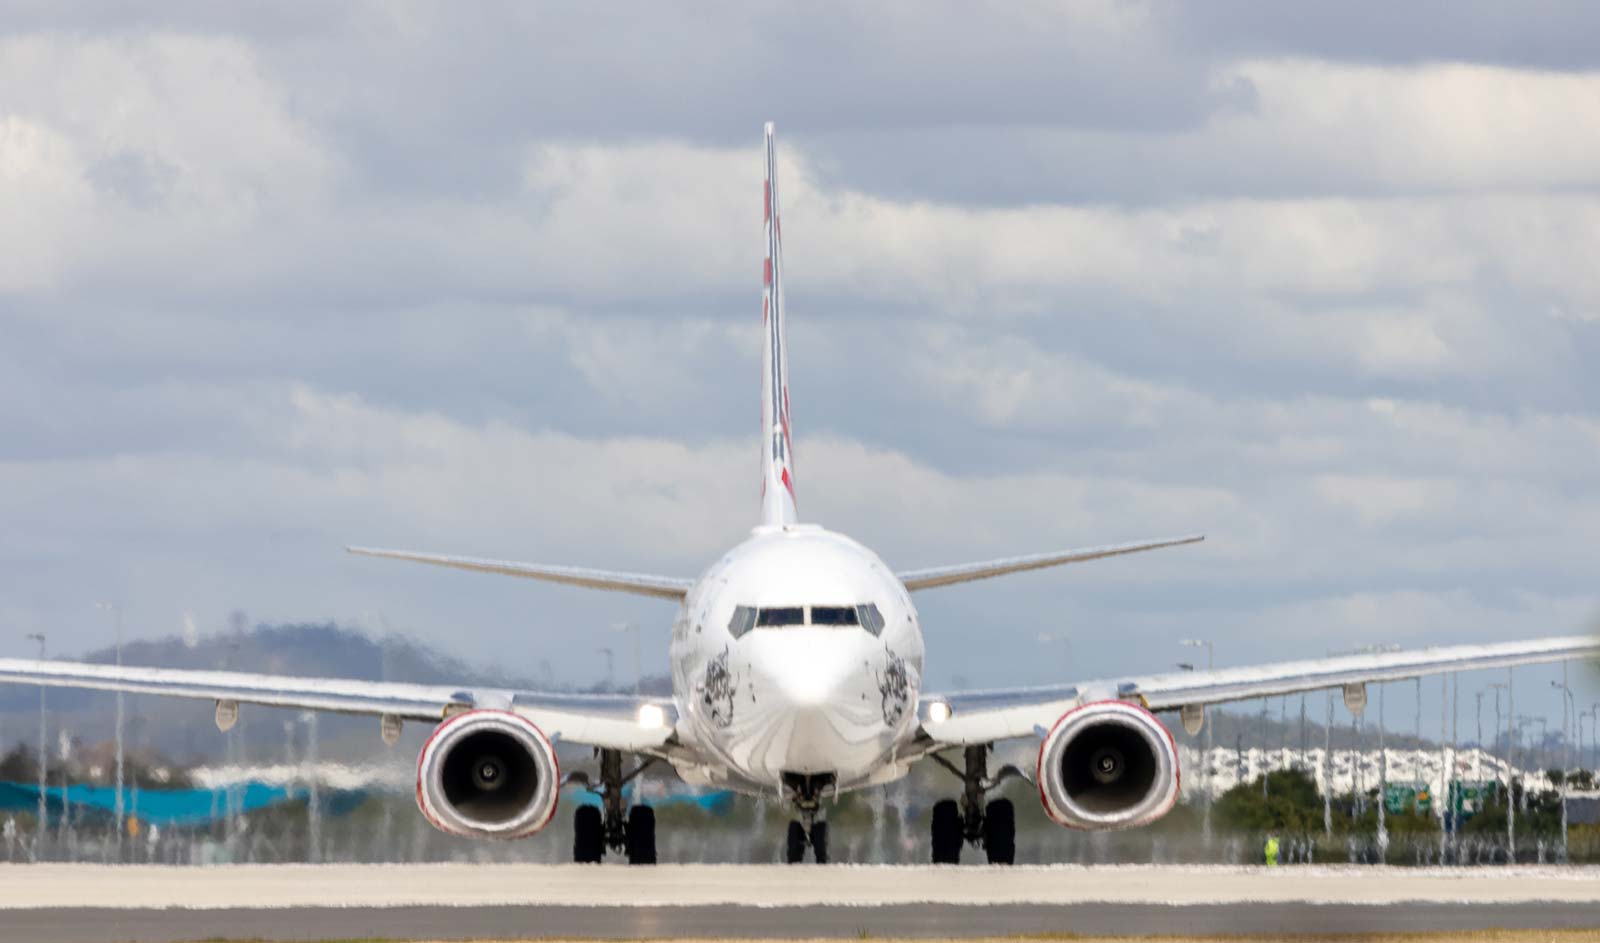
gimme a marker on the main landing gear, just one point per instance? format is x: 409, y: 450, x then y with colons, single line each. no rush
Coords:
x: 805, y: 791
x: 992, y: 825
x: 595, y: 829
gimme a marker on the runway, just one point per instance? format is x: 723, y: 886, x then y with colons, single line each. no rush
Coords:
x: 85, y: 904
x: 903, y: 921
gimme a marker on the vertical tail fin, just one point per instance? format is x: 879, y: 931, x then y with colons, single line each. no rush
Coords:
x: 777, y: 456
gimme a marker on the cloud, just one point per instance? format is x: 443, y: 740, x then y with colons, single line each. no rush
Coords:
x: 486, y: 281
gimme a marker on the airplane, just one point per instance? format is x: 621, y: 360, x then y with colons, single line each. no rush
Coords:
x: 797, y: 670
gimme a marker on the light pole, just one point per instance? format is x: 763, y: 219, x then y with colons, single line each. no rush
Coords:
x: 1578, y: 735
x: 43, y: 754
x: 1498, y: 687
x: 1566, y: 751
x: 1541, y: 754
x: 1327, y: 772
x: 1383, y: 784
x: 1419, y: 715
x: 1455, y: 764
x: 1523, y: 720
x: 1302, y: 763
x: 116, y: 615
x: 1442, y: 795
x: 1594, y: 735
x: 1283, y: 732
x: 233, y: 745
x: 1511, y: 752
x: 1264, y: 767
x: 313, y: 804
x: 1205, y: 741
x: 1477, y: 762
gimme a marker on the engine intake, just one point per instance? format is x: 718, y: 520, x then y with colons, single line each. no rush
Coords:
x: 1107, y: 765
x: 488, y: 774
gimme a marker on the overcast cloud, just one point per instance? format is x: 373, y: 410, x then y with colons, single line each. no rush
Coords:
x: 484, y: 279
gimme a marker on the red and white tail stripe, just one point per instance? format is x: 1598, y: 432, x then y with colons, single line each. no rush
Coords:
x: 777, y: 455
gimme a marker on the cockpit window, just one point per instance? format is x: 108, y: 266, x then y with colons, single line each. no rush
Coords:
x: 833, y: 615
x: 784, y: 615
x: 870, y: 618
x: 744, y: 619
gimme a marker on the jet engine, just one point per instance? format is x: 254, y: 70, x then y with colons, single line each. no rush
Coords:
x: 488, y: 774
x: 1106, y: 765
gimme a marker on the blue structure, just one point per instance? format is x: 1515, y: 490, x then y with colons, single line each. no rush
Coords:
x: 166, y: 807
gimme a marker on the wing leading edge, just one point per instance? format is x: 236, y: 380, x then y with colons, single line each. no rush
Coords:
x: 612, y: 722
x: 985, y: 716
x: 640, y: 584
x: 967, y: 572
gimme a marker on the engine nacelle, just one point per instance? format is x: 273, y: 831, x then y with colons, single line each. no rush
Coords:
x: 488, y: 774
x: 1106, y: 765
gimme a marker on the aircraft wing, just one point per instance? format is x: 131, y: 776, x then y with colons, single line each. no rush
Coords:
x: 641, y: 584
x: 609, y: 721
x: 982, y: 570
x: 986, y: 716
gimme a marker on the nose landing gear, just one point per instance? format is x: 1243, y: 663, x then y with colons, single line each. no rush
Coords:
x: 805, y: 791
x: 993, y: 825
x: 594, y: 830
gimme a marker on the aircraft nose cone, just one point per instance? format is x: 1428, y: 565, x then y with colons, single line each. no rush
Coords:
x: 809, y: 668
x: 822, y: 698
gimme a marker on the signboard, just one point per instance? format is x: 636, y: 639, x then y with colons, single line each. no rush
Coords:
x: 1467, y: 798
x: 1400, y: 798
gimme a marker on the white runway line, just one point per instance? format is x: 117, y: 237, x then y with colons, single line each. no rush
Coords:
x: 274, y: 886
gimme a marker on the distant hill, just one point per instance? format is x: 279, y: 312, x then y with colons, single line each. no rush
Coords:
x: 183, y: 729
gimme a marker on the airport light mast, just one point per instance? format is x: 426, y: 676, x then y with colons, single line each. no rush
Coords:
x: 1205, y: 740
x: 1511, y: 752
x: 1383, y: 784
x: 1566, y: 752
x: 1594, y: 735
x: 43, y: 755
x: 1477, y: 762
x: 1497, y: 687
x: 1540, y: 754
x: 119, y: 814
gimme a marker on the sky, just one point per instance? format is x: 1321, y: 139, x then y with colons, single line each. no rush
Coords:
x: 484, y: 279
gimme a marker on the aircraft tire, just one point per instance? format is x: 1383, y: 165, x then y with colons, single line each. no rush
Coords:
x: 588, y: 835
x: 1000, y: 832
x: 641, y: 835
x: 795, y: 847
x: 946, y: 832
x: 819, y: 842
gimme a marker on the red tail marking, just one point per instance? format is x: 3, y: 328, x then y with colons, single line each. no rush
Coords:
x: 788, y: 443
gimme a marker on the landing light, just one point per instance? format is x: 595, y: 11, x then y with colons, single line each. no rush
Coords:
x: 938, y: 712
x: 652, y: 717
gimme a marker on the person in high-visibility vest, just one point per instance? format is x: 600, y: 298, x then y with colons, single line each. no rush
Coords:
x: 1272, y: 851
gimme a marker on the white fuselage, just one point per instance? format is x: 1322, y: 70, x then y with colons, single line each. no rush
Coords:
x: 802, y: 693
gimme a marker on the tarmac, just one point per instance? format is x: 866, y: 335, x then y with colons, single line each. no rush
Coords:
x: 54, y: 903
